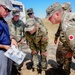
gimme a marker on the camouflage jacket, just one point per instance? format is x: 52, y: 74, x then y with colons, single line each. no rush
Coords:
x: 60, y: 34
x: 68, y: 22
x: 38, y: 20
x: 16, y: 29
x: 38, y: 40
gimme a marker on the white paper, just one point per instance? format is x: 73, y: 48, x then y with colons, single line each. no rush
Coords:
x: 15, y: 54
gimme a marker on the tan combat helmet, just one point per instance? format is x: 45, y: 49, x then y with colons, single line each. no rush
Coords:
x: 52, y: 9
x: 30, y: 24
x: 15, y: 11
x: 7, y: 4
x: 30, y: 11
x: 66, y: 6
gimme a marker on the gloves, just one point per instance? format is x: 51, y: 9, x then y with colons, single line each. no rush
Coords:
x: 69, y: 55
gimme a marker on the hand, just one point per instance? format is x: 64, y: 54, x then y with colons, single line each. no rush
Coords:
x: 44, y: 53
x: 14, y: 42
x: 22, y: 40
x: 6, y: 47
x: 69, y: 55
x: 34, y: 52
x: 28, y: 43
x: 55, y: 41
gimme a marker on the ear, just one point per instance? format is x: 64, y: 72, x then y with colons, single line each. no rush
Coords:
x: 57, y: 13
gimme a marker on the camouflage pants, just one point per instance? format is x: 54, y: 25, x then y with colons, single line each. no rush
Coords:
x: 39, y: 61
x: 64, y: 56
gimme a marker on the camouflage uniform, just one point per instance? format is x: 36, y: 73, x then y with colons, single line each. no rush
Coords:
x: 16, y: 32
x: 30, y: 12
x: 64, y: 52
x: 66, y: 6
x: 16, y: 28
x: 38, y: 41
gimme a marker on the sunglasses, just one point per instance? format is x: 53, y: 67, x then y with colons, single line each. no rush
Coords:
x: 16, y: 15
x: 30, y: 13
x: 6, y: 9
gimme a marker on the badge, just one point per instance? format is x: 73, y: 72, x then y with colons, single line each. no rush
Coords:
x: 44, y: 38
x: 71, y: 37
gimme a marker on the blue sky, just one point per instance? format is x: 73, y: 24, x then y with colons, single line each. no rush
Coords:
x: 39, y: 6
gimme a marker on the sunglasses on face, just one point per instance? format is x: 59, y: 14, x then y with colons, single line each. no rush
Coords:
x: 16, y: 15
x: 6, y: 9
x: 30, y: 13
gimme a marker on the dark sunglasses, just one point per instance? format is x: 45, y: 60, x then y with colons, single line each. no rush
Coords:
x: 6, y: 9
x: 30, y: 13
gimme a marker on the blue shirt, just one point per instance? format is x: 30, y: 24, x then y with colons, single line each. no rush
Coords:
x: 4, y: 33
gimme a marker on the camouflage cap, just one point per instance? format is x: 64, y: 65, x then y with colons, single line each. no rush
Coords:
x: 30, y: 11
x: 66, y: 6
x: 16, y: 11
x: 52, y: 9
x: 30, y: 24
x: 7, y: 4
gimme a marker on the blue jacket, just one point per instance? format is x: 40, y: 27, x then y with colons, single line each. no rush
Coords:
x: 4, y: 33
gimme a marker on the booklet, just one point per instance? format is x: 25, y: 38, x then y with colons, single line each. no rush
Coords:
x: 15, y: 54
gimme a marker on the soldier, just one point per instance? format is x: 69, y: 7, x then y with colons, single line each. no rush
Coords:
x: 16, y: 31
x: 16, y: 26
x: 56, y: 15
x: 66, y: 6
x: 37, y: 38
x: 5, y: 41
x: 30, y: 13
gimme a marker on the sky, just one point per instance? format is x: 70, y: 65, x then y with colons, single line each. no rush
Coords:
x: 40, y: 6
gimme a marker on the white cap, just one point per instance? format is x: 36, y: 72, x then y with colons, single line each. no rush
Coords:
x: 6, y: 3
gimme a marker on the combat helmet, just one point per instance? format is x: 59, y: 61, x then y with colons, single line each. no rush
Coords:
x: 7, y: 4
x: 15, y: 11
x: 52, y: 9
x: 30, y: 11
x: 66, y: 6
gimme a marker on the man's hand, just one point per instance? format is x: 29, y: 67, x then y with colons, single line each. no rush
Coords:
x: 44, y: 53
x: 69, y: 55
x: 14, y: 42
x: 55, y: 41
x: 34, y: 52
x: 22, y: 40
x: 6, y: 47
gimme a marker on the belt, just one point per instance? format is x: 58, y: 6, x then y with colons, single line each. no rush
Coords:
x: 2, y: 49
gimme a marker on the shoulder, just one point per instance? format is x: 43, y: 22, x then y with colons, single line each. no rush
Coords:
x: 67, y: 16
x: 9, y: 20
x: 68, y: 20
x: 21, y: 22
x: 38, y: 19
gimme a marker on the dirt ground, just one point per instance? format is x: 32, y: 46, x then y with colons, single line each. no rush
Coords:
x: 51, y: 55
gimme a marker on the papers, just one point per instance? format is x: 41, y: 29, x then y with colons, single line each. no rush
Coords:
x: 15, y: 54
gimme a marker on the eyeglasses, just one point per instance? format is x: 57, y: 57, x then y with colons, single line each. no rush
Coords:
x: 16, y: 15
x: 30, y: 13
x: 6, y: 9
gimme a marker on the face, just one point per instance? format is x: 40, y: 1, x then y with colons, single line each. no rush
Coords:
x: 31, y: 15
x: 4, y: 12
x: 16, y: 17
x: 55, y: 18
